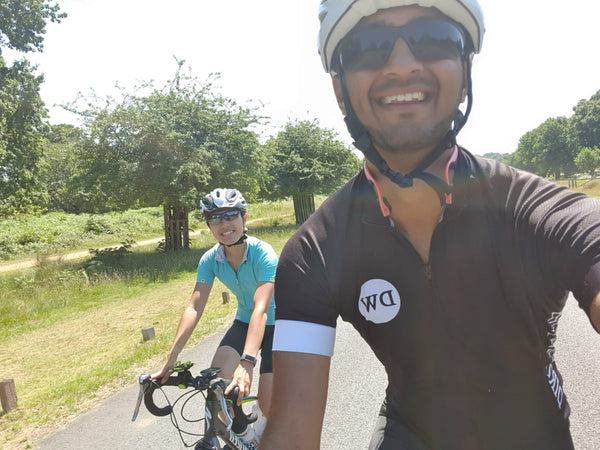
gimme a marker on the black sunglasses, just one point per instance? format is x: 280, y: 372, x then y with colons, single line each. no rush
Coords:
x: 428, y: 39
x: 227, y: 216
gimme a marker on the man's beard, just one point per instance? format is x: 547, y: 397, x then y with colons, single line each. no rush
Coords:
x: 409, y: 138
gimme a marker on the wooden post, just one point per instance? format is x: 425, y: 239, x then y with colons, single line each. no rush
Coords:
x: 8, y: 395
x: 225, y: 297
x: 148, y: 333
x: 186, y: 230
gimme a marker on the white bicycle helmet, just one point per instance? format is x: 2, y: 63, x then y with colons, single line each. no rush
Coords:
x: 220, y: 199
x: 338, y: 17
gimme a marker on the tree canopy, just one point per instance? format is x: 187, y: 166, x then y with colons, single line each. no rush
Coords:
x: 586, y: 122
x: 23, y: 23
x: 588, y: 160
x: 21, y: 143
x: 548, y: 149
x: 22, y: 28
x: 306, y: 160
x: 167, y: 145
x: 553, y: 147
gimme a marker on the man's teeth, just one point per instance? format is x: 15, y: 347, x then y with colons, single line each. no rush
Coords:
x: 411, y: 97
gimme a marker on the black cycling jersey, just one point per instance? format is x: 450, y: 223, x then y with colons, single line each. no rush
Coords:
x: 467, y: 339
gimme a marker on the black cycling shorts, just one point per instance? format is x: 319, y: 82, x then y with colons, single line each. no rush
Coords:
x: 236, y: 338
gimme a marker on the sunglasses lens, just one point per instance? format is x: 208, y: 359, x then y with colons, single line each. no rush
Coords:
x: 213, y: 221
x: 428, y: 40
x: 367, y: 49
x: 228, y: 216
x: 435, y: 40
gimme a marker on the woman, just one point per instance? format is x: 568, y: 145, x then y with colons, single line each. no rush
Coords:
x: 246, y: 266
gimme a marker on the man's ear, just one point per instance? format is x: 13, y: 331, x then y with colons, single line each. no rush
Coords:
x: 337, y: 88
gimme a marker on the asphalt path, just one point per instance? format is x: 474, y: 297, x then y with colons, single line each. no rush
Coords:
x: 355, y: 392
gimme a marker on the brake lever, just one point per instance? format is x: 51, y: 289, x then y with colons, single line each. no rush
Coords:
x: 144, y: 381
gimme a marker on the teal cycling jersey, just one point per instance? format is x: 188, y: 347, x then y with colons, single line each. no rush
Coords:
x: 259, y: 264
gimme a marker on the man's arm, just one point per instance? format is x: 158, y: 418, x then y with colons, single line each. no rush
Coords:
x: 299, y: 397
x: 595, y: 312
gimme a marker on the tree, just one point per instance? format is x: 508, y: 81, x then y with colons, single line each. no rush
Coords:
x: 22, y: 26
x: 588, y: 160
x: 21, y: 143
x: 61, y: 168
x: 586, y: 122
x: 548, y: 149
x: 505, y: 158
x: 308, y: 160
x: 23, y: 23
x: 168, y: 147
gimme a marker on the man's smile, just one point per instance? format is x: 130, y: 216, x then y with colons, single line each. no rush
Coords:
x: 404, y: 98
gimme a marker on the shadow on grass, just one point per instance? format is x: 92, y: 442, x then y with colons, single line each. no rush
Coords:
x: 142, y: 264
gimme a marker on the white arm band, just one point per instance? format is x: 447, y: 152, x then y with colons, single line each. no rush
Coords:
x: 303, y: 337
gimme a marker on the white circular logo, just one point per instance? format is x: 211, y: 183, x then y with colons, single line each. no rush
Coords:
x: 379, y: 301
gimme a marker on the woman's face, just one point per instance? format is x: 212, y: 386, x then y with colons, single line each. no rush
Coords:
x: 227, y: 226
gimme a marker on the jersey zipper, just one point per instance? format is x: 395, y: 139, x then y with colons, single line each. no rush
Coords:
x: 428, y: 271
x: 404, y: 239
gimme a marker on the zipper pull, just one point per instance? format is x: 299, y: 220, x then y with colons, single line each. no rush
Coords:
x: 428, y: 271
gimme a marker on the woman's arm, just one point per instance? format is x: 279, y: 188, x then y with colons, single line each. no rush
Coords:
x: 189, y: 319
x: 242, y: 376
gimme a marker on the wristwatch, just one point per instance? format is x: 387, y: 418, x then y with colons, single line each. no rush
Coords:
x: 251, y: 359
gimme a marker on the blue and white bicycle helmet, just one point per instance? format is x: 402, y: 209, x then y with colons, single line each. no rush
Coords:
x: 221, y: 199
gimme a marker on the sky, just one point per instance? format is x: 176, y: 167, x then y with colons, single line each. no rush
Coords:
x: 539, y: 58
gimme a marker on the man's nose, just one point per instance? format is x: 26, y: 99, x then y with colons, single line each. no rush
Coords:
x: 402, y: 60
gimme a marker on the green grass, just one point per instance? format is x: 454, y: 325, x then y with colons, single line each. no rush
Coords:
x: 30, y: 236
x: 74, y: 326
x: 588, y: 187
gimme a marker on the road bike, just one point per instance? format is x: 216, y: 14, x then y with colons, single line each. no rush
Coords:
x: 219, y: 409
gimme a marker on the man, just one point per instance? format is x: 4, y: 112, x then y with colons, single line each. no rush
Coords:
x: 454, y: 269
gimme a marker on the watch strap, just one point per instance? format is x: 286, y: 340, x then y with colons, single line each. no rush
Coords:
x: 251, y: 359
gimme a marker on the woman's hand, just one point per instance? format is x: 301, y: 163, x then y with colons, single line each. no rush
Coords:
x: 164, y: 373
x: 242, y: 377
